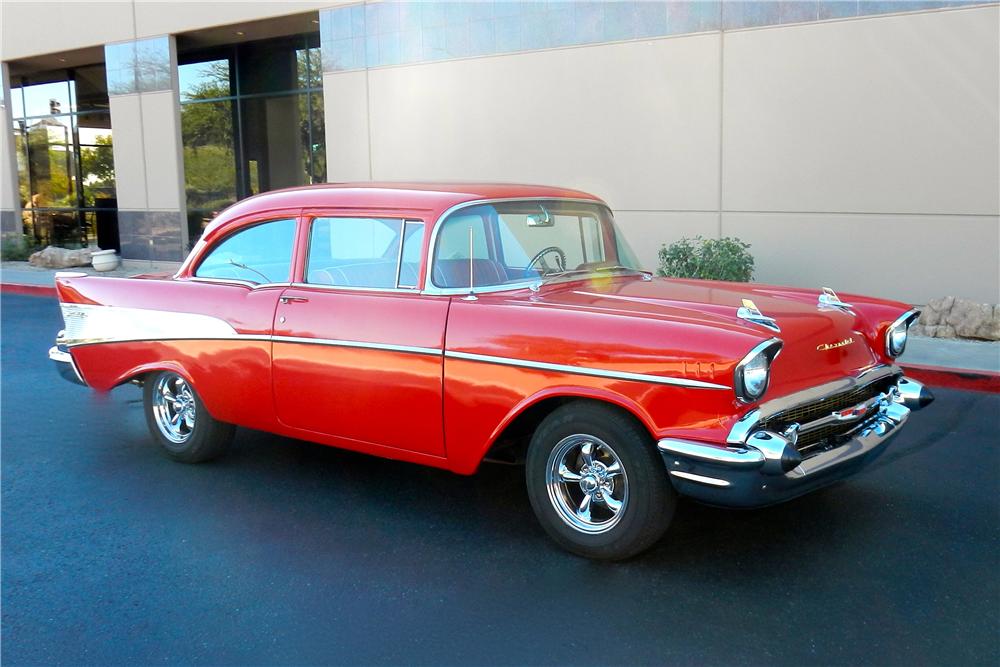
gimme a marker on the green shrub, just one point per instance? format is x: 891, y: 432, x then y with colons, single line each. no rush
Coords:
x: 16, y: 247
x: 708, y: 259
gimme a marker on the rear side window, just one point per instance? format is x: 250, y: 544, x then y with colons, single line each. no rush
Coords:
x: 258, y: 254
x: 355, y: 252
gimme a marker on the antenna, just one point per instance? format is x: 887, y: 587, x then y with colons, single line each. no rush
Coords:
x: 472, y: 295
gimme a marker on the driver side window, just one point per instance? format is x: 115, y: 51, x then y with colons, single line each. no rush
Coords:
x: 259, y: 254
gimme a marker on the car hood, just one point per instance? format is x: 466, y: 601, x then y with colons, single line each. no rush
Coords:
x: 819, y: 341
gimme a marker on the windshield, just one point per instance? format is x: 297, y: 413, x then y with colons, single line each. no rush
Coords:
x: 517, y: 242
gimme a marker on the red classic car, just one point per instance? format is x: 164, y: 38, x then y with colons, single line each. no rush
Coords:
x: 447, y: 324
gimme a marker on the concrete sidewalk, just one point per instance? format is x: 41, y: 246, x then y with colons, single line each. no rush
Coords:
x: 22, y: 273
x: 959, y: 355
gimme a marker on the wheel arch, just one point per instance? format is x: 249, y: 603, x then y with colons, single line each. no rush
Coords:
x: 509, y: 441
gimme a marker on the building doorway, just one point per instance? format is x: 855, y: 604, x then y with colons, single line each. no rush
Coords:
x: 65, y: 158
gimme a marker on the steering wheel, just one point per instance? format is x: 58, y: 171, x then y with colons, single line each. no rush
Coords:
x: 560, y: 255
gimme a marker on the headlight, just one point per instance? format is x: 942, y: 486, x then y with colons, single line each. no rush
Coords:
x: 753, y: 372
x: 896, y: 340
x: 896, y: 334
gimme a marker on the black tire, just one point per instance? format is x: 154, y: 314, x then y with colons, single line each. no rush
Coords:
x: 645, y: 497
x: 198, y: 436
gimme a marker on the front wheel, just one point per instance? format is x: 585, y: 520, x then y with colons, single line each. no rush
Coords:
x: 179, y: 422
x: 596, y: 482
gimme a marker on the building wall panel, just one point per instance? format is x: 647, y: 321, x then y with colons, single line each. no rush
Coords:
x: 910, y: 258
x: 883, y: 115
x: 636, y: 122
x: 161, y: 136
x: 130, y: 165
x: 36, y: 28
x: 345, y: 97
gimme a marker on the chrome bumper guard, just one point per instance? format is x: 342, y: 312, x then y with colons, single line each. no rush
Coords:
x: 65, y: 365
x: 761, y: 467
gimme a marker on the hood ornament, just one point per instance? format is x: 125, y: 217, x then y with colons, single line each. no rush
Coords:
x: 829, y: 299
x: 749, y: 312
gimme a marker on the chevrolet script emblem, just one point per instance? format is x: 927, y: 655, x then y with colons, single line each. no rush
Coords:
x: 822, y: 347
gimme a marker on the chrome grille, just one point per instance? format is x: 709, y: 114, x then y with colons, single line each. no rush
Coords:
x: 814, y: 440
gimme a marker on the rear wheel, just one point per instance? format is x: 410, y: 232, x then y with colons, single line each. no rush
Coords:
x: 596, y: 482
x: 178, y: 421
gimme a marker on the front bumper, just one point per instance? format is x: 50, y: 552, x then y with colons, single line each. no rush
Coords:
x: 65, y: 365
x: 759, y: 467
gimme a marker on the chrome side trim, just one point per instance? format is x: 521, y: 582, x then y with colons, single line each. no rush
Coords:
x: 332, y: 342
x: 431, y: 288
x: 701, y: 479
x: 581, y: 370
x: 741, y: 457
x: 110, y: 341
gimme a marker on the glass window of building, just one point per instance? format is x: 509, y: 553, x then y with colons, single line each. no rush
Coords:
x: 65, y: 162
x: 252, y: 121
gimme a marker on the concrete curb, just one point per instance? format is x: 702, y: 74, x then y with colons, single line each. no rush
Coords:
x: 934, y: 376
x: 954, y: 378
x: 29, y: 290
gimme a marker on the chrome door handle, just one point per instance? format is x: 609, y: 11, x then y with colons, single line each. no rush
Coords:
x: 293, y: 299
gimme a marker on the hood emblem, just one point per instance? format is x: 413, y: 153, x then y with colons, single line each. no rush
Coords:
x: 749, y: 312
x: 822, y: 347
x: 829, y: 299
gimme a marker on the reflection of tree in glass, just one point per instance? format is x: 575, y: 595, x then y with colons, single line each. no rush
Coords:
x: 206, y: 123
x: 309, y: 69
x: 97, y: 164
x: 207, y: 131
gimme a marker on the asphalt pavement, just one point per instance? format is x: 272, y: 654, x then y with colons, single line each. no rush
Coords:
x: 287, y: 552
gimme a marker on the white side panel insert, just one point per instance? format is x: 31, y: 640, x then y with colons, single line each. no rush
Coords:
x: 102, y: 324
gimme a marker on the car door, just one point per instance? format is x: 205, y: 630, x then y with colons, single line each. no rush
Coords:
x: 357, y: 350
x: 238, y: 280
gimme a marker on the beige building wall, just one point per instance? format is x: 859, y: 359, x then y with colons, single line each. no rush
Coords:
x: 636, y: 122
x: 861, y: 154
x: 864, y: 154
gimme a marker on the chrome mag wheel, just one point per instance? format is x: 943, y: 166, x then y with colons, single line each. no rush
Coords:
x: 174, y: 407
x: 586, y: 483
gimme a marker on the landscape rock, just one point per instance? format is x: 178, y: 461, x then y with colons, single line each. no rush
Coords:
x: 951, y: 317
x: 60, y: 258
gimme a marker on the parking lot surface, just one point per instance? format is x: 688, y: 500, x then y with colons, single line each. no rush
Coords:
x: 287, y: 552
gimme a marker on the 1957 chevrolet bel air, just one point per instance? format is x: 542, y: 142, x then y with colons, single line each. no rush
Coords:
x: 445, y: 324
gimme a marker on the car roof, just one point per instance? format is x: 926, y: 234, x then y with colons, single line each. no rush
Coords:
x: 432, y: 197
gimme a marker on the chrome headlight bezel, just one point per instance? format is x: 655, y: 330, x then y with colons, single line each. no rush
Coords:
x: 763, y: 353
x: 900, y: 325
